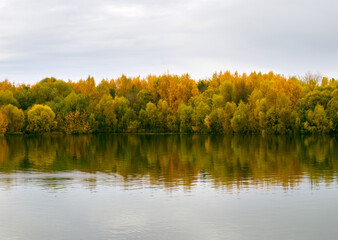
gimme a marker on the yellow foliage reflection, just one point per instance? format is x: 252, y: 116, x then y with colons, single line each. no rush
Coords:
x: 176, y: 160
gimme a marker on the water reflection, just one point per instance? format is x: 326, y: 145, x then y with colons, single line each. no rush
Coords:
x: 171, y: 160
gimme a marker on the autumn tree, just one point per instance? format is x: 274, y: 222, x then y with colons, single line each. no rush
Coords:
x: 224, y: 103
x: 15, y: 118
x: 3, y: 123
x: 214, y: 121
x: 106, y: 114
x: 143, y: 97
x: 164, y: 113
x: 229, y: 110
x: 198, y: 117
x: 123, y: 85
x: 185, y: 117
x: 40, y: 119
x: 84, y: 86
x: 150, y: 117
x: 316, y: 120
x: 202, y: 85
x: 6, y: 97
x: 239, y: 122
x: 227, y: 91
x: 75, y: 102
x: 48, y: 89
x: 76, y: 122
x: 332, y: 111
x: 25, y: 98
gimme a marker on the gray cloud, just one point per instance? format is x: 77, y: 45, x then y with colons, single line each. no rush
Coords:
x: 72, y: 39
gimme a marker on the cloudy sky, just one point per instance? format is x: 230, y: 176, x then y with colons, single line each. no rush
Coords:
x: 76, y: 38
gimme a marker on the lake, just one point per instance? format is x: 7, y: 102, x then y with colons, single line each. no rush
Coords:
x: 168, y: 187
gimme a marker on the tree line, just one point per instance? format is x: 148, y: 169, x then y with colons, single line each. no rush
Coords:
x: 224, y: 103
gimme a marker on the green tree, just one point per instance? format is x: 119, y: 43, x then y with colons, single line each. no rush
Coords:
x: 76, y: 122
x: 332, y: 113
x: 272, y: 120
x: 142, y: 98
x: 239, y: 122
x: 202, y: 85
x: 229, y: 110
x: 7, y: 97
x: 40, y: 119
x: 227, y: 91
x: 122, y: 113
x: 152, y: 116
x: 285, y: 122
x: 48, y: 89
x: 218, y: 101
x: 128, y: 118
x: 164, y: 112
x: 3, y: 123
x: 214, y: 121
x: 200, y: 112
x: 70, y: 102
x: 317, y: 120
x: 75, y: 102
x: 105, y: 114
x: 15, y: 118
x: 173, y: 123
x: 185, y: 117
x: 25, y: 98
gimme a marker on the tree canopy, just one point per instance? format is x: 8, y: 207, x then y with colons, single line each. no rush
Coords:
x: 224, y: 103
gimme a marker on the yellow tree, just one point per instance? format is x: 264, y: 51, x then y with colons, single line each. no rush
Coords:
x: 123, y: 85
x: 75, y: 122
x: 6, y: 85
x: 84, y: 86
x: 15, y: 118
x: 3, y: 123
x: 40, y: 119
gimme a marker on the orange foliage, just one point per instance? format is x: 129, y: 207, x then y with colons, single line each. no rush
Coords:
x: 75, y: 122
x: 3, y: 123
x: 84, y: 86
x: 6, y: 85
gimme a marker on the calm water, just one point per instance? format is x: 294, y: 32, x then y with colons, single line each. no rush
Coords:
x: 168, y: 187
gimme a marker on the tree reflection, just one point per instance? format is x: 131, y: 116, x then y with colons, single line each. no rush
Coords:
x: 179, y: 160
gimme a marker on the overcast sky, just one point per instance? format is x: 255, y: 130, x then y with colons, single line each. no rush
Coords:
x: 76, y: 38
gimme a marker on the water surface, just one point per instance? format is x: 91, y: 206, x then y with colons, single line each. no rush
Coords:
x: 168, y: 187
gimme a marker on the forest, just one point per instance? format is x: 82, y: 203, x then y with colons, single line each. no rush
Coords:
x: 226, y: 103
